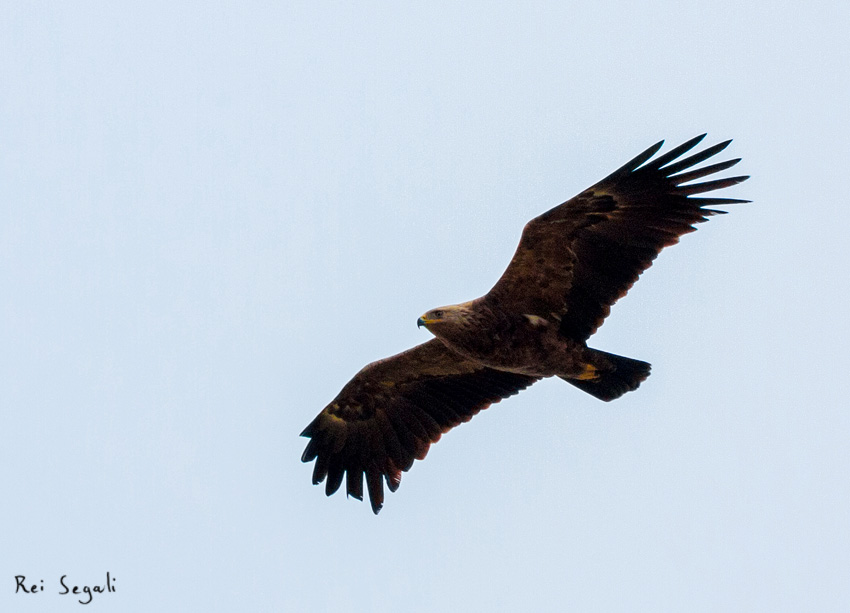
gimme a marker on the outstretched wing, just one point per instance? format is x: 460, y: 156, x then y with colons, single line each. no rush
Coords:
x: 392, y: 410
x: 577, y: 259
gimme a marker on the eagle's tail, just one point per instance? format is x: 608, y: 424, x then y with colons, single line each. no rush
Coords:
x: 611, y: 376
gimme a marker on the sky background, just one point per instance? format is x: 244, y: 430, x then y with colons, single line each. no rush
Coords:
x: 213, y: 215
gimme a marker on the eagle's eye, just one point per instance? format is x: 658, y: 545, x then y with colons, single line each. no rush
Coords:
x: 438, y: 314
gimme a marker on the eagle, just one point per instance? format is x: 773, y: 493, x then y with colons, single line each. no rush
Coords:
x: 572, y: 263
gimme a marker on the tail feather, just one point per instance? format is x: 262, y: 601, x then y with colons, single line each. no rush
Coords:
x: 615, y: 375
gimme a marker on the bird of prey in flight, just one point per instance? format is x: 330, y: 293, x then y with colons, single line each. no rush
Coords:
x: 572, y: 263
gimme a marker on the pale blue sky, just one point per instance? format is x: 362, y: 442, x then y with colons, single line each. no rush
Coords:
x: 214, y: 215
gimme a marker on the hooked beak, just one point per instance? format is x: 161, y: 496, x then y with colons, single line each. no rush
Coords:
x: 424, y: 321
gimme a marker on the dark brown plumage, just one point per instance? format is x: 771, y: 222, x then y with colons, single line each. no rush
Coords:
x: 572, y: 263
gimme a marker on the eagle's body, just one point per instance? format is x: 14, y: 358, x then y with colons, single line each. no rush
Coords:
x: 516, y: 342
x: 521, y: 343
x: 573, y: 262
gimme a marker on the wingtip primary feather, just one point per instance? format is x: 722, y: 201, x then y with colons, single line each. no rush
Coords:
x: 692, y: 160
x: 375, y: 485
x: 673, y: 153
x: 709, y: 186
x: 336, y: 472
x: 354, y: 483
x: 639, y: 159
x: 310, y: 451
x: 711, y: 201
x: 393, y: 480
x: 703, y: 172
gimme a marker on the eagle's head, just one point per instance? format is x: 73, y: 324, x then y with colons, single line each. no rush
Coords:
x: 446, y: 318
